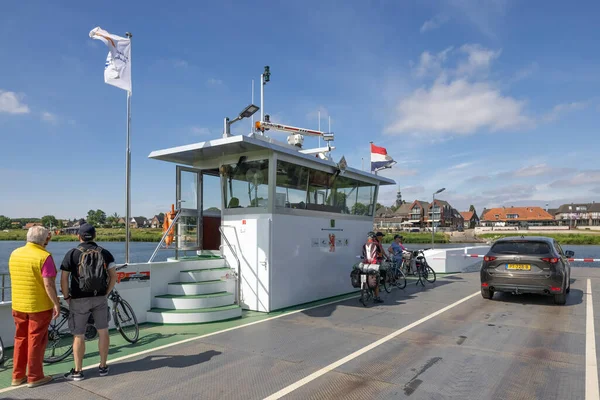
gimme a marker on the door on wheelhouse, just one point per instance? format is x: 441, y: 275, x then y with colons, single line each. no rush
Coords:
x: 198, y: 198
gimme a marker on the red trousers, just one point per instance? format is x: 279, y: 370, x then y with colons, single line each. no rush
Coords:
x: 31, y: 337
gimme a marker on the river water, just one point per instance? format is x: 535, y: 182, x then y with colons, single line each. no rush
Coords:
x: 140, y: 252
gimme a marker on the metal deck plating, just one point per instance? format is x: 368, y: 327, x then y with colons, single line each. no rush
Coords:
x: 443, y: 341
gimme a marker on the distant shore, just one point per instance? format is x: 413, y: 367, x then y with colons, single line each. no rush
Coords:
x: 103, y: 235
x: 154, y: 235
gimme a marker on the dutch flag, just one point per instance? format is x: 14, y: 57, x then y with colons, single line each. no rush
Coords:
x: 380, y: 158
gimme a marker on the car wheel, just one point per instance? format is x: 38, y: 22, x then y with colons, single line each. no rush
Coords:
x: 560, y: 299
x: 487, y: 294
x: 569, y: 289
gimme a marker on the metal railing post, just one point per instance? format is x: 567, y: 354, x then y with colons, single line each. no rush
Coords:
x: 3, y: 277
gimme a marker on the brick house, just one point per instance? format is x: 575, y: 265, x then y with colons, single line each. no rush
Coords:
x: 582, y: 214
x: 418, y: 213
x: 444, y: 215
x: 517, y: 216
x: 471, y: 220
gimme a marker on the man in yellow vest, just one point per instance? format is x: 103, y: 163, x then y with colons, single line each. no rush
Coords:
x: 34, y: 304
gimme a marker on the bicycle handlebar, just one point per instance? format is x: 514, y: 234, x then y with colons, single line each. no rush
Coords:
x: 121, y: 267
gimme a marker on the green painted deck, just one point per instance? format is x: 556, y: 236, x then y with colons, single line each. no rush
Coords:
x: 153, y: 336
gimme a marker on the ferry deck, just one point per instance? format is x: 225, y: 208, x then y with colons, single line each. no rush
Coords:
x: 441, y: 341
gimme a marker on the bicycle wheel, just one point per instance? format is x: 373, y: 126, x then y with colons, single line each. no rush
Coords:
x: 364, y: 294
x: 60, y: 340
x: 400, y: 279
x: 429, y: 274
x: 1, y: 352
x: 385, y: 283
x: 126, y: 321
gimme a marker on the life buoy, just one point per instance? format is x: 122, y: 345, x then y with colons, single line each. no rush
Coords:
x: 169, y: 217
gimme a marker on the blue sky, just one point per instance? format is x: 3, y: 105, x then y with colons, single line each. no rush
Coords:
x: 494, y: 100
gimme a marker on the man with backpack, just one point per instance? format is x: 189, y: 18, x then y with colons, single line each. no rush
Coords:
x: 92, y: 274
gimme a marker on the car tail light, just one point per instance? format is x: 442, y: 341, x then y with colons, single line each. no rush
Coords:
x: 489, y: 258
x: 555, y: 289
x: 552, y: 260
x: 485, y: 284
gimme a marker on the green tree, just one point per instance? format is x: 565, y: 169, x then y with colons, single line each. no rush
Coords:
x: 5, y: 222
x: 360, y: 209
x: 49, y: 221
x: 96, y: 218
x: 472, y: 209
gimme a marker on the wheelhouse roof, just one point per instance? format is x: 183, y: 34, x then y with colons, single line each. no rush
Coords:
x: 233, y: 145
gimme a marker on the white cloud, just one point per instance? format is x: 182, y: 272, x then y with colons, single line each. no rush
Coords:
x: 49, y: 117
x: 214, y: 82
x: 525, y: 72
x: 431, y: 64
x: 583, y: 178
x: 412, y: 190
x: 434, y: 23
x: 11, y: 103
x: 397, y: 172
x: 561, y: 109
x: 478, y: 59
x: 461, y: 166
x: 458, y: 107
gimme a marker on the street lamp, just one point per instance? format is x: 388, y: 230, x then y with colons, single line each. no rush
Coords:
x: 246, y: 113
x: 433, y: 216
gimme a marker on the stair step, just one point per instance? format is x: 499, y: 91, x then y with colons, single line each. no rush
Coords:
x: 195, y: 296
x: 199, y: 315
x: 202, y: 275
x: 206, y: 269
x: 193, y: 302
x: 197, y: 288
x: 195, y: 310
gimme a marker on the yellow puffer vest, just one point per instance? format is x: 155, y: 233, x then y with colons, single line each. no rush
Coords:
x: 27, y: 286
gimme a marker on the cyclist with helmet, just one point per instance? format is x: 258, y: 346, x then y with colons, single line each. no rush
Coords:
x: 373, y: 254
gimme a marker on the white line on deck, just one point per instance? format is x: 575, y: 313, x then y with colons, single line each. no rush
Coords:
x: 591, y: 365
x: 284, y: 314
x: 365, y: 349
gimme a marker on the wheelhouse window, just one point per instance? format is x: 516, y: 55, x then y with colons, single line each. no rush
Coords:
x: 300, y: 187
x: 246, y: 184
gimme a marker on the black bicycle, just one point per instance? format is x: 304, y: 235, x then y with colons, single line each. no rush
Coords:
x: 60, y: 340
x: 424, y: 271
x: 394, y: 276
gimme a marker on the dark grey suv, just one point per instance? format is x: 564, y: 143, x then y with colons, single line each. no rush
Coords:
x: 527, y: 264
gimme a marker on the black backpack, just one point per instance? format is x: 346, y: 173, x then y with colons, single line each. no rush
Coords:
x: 92, y: 272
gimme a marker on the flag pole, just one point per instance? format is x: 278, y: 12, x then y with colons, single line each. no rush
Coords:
x: 128, y: 171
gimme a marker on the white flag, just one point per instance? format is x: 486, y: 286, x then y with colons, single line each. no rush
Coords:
x: 117, y: 70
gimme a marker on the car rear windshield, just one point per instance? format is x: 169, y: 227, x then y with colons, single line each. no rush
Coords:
x: 521, y: 247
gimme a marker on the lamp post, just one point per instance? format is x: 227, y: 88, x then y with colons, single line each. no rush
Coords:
x: 246, y: 113
x: 433, y: 217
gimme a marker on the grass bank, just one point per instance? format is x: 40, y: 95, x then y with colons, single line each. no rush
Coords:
x: 103, y: 235
x: 562, y: 238
x: 418, y: 237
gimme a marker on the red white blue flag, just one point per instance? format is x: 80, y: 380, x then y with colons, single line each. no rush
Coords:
x: 380, y: 158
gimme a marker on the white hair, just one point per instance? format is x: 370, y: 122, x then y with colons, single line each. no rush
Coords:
x: 37, y: 235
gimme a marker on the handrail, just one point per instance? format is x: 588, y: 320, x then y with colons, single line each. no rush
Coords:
x: 164, y: 236
x: 239, y: 272
x: 3, y: 287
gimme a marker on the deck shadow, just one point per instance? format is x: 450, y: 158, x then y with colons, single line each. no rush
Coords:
x: 164, y: 361
x: 573, y: 298
x: 395, y: 298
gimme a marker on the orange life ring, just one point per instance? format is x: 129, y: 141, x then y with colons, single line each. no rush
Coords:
x: 169, y: 217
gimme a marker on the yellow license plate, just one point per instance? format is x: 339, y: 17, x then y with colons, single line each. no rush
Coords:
x: 522, y: 267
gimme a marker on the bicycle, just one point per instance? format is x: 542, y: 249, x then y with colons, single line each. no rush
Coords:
x: 1, y: 352
x: 423, y: 269
x: 395, y: 276
x: 59, y: 336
